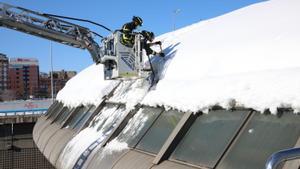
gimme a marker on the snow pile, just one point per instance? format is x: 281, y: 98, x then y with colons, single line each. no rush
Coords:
x: 249, y: 57
x: 88, y: 87
x: 130, y: 92
x: 261, y: 90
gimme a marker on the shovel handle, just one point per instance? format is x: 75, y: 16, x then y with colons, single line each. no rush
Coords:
x: 160, y: 48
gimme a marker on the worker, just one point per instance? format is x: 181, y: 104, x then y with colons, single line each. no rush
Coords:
x: 148, y: 42
x: 127, y: 38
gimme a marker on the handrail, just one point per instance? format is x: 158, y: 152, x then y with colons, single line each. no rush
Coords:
x: 282, y: 156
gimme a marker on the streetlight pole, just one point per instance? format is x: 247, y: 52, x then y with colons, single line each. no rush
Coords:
x: 175, y: 12
x: 51, y: 62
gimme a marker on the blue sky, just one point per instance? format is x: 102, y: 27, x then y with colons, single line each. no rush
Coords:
x: 158, y: 16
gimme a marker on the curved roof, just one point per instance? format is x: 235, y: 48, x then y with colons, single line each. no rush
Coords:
x: 249, y: 57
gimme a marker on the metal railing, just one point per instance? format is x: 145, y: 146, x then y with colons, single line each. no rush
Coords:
x: 22, y: 112
x: 282, y: 156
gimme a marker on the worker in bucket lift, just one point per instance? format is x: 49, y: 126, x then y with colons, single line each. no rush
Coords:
x: 127, y: 38
x: 148, y: 42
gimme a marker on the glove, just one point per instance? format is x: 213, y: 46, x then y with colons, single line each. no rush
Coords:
x: 158, y: 43
x: 161, y: 54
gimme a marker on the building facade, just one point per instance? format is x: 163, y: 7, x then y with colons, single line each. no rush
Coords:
x: 24, y: 77
x: 3, y: 72
x: 60, y: 79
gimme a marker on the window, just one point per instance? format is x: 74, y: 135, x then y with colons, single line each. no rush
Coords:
x: 111, y: 120
x: 77, y: 116
x: 160, y: 131
x: 138, y: 125
x: 102, y: 127
x: 98, y: 121
x: 56, y: 112
x: 120, y: 94
x: 208, y: 137
x: 55, y: 108
x: 263, y: 135
x: 63, y: 115
x: 107, y: 119
x: 84, y: 118
x: 52, y: 106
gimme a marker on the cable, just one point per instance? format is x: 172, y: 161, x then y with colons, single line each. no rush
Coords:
x: 97, y: 34
x: 78, y: 19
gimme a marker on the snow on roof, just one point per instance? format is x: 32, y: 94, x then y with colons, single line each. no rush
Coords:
x: 86, y: 88
x: 249, y: 57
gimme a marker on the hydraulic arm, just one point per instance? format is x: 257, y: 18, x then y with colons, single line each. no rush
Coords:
x: 51, y: 28
x: 119, y: 60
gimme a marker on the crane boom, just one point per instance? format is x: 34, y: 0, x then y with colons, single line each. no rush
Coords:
x: 48, y: 27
